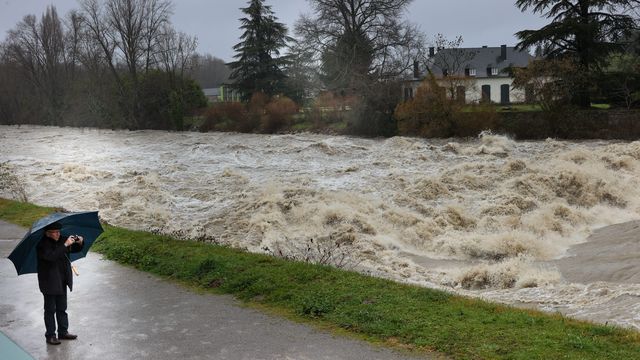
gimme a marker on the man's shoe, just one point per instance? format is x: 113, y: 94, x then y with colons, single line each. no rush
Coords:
x: 68, y: 336
x: 53, y: 340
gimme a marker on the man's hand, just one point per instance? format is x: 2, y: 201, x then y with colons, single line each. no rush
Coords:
x: 70, y: 240
x: 73, y: 238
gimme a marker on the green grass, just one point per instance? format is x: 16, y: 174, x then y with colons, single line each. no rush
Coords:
x: 520, y: 107
x: 523, y: 107
x: 302, y: 125
x: 409, y: 317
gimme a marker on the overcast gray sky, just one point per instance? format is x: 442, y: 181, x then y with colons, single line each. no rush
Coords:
x: 215, y: 22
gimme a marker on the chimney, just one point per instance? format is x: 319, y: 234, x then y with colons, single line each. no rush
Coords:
x: 432, y: 51
x: 416, y: 69
x: 503, y: 52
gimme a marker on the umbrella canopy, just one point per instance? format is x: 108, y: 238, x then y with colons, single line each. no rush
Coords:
x: 85, y: 224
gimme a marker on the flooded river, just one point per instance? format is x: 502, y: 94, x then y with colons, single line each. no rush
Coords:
x: 509, y: 221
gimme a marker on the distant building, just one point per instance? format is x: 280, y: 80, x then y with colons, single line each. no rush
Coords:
x: 212, y: 94
x: 229, y: 94
x: 483, y: 72
x: 222, y: 93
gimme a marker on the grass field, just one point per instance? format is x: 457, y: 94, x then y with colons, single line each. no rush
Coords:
x: 408, y: 317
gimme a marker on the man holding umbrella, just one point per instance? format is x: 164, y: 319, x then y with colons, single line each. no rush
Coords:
x: 43, y: 250
x: 54, y: 276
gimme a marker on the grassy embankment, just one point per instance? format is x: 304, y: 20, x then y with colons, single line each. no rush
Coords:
x: 378, y: 310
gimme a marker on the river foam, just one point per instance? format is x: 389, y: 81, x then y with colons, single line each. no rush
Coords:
x: 488, y: 217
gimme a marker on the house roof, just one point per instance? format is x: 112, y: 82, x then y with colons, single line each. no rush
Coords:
x: 479, y: 59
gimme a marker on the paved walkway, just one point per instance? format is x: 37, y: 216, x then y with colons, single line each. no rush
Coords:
x: 122, y: 313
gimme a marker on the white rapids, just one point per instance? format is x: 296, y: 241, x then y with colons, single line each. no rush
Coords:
x: 487, y: 217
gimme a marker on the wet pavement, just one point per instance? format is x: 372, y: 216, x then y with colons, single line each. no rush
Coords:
x: 122, y: 313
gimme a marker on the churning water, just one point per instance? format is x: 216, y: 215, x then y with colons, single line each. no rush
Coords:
x: 499, y: 219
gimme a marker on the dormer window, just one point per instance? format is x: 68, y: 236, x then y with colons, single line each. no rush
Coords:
x: 494, y: 71
x: 445, y: 72
x: 472, y: 72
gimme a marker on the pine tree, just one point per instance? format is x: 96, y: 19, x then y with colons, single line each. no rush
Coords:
x: 585, y: 31
x: 258, y: 65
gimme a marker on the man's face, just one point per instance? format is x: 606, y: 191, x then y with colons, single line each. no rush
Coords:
x: 54, y: 234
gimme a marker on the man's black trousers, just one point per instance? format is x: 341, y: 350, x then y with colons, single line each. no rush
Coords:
x: 55, y: 308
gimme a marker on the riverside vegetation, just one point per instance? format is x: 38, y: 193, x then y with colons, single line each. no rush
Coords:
x: 382, y: 311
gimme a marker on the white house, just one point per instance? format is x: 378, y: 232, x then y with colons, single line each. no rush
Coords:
x: 483, y: 72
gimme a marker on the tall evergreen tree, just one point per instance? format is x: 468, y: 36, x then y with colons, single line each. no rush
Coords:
x: 587, y: 31
x: 258, y: 65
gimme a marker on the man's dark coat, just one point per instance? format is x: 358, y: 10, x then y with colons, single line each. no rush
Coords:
x: 54, y: 267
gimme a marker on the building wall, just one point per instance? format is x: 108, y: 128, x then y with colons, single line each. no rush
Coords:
x: 228, y: 94
x: 473, y: 93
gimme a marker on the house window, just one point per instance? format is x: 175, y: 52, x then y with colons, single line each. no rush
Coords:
x: 472, y: 72
x: 494, y: 71
x: 445, y: 72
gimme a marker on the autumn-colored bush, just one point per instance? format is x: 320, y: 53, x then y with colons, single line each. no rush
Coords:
x: 223, y: 117
x: 259, y: 114
x: 429, y: 113
x: 279, y: 113
x: 258, y: 102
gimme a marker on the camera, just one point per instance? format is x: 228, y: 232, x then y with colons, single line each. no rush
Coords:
x: 75, y: 238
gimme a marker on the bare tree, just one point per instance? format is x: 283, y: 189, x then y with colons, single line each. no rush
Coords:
x: 127, y: 19
x: 127, y: 32
x: 156, y: 21
x: 137, y: 26
x: 73, y: 34
x: 175, y: 51
x: 452, y: 61
x: 361, y: 39
x: 37, y: 48
x: 99, y: 36
x: 96, y: 61
x: 15, y: 92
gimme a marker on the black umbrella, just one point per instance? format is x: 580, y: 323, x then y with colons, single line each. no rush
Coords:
x: 85, y: 224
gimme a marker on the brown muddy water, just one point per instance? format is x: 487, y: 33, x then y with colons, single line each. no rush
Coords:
x: 509, y: 221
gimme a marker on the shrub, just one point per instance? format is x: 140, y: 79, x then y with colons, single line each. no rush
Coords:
x: 258, y: 114
x: 255, y: 111
x: 279, y: 114
x: 12, y: 184
x: 429, y: 113
x: 165, y: 100
x: 223, y: 117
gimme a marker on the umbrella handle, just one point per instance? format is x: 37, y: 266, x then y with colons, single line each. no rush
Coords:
x: 75, y: 270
